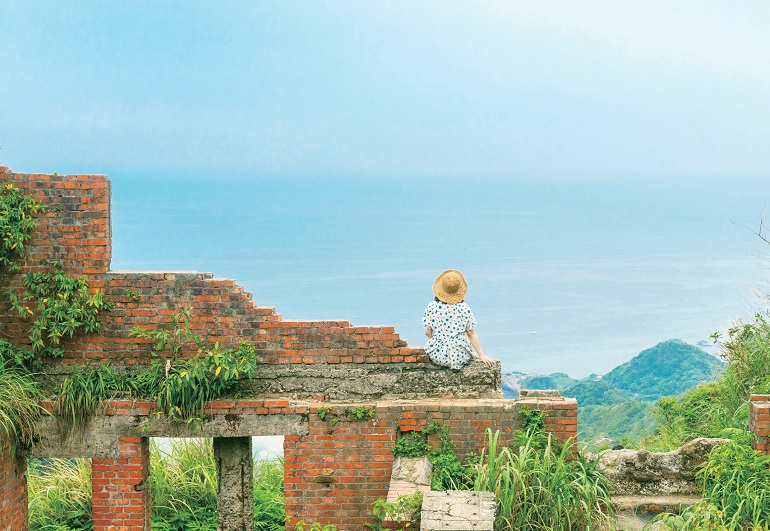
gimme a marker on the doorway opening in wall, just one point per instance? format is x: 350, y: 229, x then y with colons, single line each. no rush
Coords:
x: 183, y: 484
x: 59, y: 494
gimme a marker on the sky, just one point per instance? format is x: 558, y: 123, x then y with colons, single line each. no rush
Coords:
x: 561, y: 91
x: 612, y: 157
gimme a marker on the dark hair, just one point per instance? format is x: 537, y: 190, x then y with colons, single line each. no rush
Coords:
x: 439, y: 300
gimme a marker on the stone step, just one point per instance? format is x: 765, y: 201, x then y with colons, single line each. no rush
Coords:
x: 634, y: 512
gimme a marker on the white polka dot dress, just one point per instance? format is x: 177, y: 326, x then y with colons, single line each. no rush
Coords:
x: 449, y: 346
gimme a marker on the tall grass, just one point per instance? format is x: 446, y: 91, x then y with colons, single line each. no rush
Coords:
x: 736, y: 490
x: 269, y: 513
x: 183, y: 489
x: 60, y: 495
x: 83, y: 393
x: 19, y: 409
x: 542, y: 488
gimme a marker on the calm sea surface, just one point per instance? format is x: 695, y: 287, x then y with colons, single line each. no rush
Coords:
x: 567, y: 278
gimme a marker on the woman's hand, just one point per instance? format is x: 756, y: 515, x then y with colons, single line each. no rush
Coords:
x: 489, y: 362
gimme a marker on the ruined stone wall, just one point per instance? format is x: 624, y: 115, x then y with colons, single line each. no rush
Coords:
x: 333, y: 472
x: 300, y: 359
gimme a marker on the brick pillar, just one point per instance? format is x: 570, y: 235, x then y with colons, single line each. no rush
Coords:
x: 13, y: 490
x: 121, y: 499
x: 235, y: 495
x: 759, y: 422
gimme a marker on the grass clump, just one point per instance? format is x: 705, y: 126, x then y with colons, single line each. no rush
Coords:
x: 60, y: 495
x: 542, y: 487
x: 19, y: 408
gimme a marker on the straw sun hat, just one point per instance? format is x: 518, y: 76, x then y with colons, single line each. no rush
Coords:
x: 450, y: 287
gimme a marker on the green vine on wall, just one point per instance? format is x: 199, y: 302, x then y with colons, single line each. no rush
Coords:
x: 17, y: 222
x: 448, y: 472
x: 357, y: 414
x: 60, y: 305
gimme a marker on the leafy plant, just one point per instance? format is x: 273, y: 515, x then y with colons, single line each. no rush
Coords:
x: 210, y: 374
x: 448, y: 471
x: 361, y: 413
x: 532, y: 431
x: 181, y: 387
x: 62, y: 306
x: 17, y: 222
x: 404, y: 512
x: 15, y: 355
x: 131, y: 294
x: 171, y: 338
x: 411, y: 444
x: 315, y: 526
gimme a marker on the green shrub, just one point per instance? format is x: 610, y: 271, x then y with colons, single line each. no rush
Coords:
x: 736, y: 490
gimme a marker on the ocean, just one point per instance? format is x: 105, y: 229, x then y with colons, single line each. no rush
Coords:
x: 574, y: 278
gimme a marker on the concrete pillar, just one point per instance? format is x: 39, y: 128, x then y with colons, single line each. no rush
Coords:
x: 235, y: 497
x: 121, y: 499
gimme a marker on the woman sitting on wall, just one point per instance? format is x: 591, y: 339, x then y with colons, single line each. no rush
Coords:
x: 450, y: 325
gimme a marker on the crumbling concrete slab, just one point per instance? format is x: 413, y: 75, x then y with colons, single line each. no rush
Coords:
x: 458, y: 510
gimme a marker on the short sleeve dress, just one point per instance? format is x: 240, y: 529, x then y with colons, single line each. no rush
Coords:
x: 449, y: 346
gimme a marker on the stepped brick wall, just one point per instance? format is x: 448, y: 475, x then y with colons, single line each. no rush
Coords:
x: 333, y: 472
x: 299, y: 358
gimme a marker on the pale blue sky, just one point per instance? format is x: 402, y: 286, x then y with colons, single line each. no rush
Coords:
x: 517, y: 90
x: 562, y: 98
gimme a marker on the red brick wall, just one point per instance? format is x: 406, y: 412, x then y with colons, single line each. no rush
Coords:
x: 13, y: 490
x: 759, y: 422
x: 336, y: 472
x: 333, y: 474
x: 121, y: 498
x: 79, y: 237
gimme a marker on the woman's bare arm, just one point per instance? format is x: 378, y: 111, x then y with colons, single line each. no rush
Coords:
x: 489, y: 362
x: 429, y: 332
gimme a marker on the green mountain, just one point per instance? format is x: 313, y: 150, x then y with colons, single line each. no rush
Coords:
x: 594, y: 393
x: 631, y: 419
x: 669, y: 368
x: 556, y: 380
